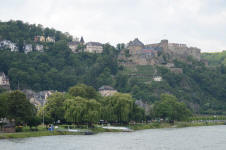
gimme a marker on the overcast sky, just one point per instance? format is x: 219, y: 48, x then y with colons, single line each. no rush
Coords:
x: 199, y: 23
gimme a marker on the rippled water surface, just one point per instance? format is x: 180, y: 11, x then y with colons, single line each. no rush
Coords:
x: 193, y: 138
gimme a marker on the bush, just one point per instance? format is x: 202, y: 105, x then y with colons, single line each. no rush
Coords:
x: 19, y: 128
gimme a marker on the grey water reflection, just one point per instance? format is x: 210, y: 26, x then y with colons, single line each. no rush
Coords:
x: 195, y: 138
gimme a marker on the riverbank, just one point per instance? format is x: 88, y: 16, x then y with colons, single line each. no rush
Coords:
x: 96, y: 130
x: 175, y: 125
x: 34, y: 134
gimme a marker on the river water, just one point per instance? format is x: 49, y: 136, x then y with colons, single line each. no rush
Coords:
x: 192, y: 138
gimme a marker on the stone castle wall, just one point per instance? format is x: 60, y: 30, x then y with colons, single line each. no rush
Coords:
x: 141, y: 54
x: 133, y: 50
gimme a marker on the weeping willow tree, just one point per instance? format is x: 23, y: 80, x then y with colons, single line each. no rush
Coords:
x: 54, y: 106
x: 82, y: 110
x: 118, y: 107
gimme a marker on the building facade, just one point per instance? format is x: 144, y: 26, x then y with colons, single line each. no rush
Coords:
x: 5, y: 44
x: 39, y: 48
x: 39, y: 39
x: 50, y: 39
x: 157, y: 78
x: 73, y: 46
x: 4, y: 81
x: 94, y: 47
x: 28, y: 48
x: 106, y: 90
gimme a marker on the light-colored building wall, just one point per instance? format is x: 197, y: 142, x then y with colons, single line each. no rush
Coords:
x: 50, y: 39
x: 73, y: 46
x: 39, y: 39
x: 39, y: 48
x: 94, y: 49
x: 133, y: 50
x: 1, y: 80
x: 28, y: 48
x: 4, y: 81
x: 157, y: 78
x: 8, y: 45
x: 107, y: 92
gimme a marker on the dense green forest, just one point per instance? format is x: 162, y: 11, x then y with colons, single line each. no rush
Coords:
x: 24, y: 33
x: 58, y: 68
x: 202, y: 88
x: 215, y: 59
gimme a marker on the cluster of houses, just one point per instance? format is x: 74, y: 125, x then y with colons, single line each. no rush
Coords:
x: 79, y: 45
x: 76, y: 45
x: 48, y: 39
x: 38, y: 46
x: 6, y: 44
x: 38, y: 98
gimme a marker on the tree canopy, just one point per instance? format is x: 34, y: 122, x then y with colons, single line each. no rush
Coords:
x: 169, y: 108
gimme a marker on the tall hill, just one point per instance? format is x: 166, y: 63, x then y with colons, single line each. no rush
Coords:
x: 201, y: 87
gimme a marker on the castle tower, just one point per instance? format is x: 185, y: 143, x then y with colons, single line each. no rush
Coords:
x: 164, y: 45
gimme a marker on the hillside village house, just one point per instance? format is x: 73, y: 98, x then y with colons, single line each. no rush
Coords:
x: 27, y: 48
x: 94, y: 47
x: 50, y: 39
x: 106, y: 90
x: 4, y: 81
x: 5, y: 44
x: 37, y: 98
x: 75, y: 43
x: 39, y: 48
x: 39, y: 39
x: 73, y: 46
x: 157, y: 78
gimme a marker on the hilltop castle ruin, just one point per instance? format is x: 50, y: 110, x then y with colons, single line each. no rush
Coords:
x: 139, y: 54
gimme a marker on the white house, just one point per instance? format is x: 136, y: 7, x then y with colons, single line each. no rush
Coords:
x: 39, y: 48
x: 5, y: 44
x: 106, y: 90
x: 94, y: 47
x: 50, y: 39
x: 73, y: 45
x: 157, y: 78
x: 27, y: 48
x: 4, y: 81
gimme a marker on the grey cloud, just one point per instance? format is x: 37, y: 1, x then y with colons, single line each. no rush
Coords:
x: 198, y: 23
